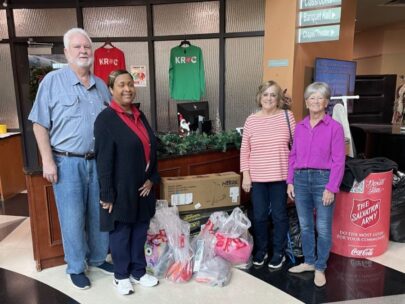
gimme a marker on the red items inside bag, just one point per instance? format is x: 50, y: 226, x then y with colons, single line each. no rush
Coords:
x: 180, y: 271
x: 233, y: 241
x: 235, y: 250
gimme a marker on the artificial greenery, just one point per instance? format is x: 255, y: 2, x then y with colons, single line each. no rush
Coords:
x: 36, y: 76
x: 174, y: 144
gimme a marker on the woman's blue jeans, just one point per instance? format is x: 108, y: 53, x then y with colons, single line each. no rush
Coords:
x: 78, y: 203
x: 309, y: 185
x: 266, y: 197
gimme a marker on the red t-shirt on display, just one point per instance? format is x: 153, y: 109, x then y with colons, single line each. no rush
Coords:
x: 107, y: 60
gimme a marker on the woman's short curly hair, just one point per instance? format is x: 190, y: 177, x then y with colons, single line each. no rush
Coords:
x: 263, y: 87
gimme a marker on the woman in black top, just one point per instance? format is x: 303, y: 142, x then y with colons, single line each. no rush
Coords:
x: 125, y: 148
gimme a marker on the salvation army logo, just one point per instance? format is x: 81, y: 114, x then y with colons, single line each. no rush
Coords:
x: 365, y: 213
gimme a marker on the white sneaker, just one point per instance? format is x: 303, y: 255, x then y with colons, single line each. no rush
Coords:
x: 124, y: 286
x: 146, y: 280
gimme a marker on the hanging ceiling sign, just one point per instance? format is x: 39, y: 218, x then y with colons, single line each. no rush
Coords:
x: 305, y: 4
x: 319, y: 17
x: 318, y: 33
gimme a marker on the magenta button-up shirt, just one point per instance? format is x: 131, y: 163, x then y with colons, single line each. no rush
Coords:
x: 321, y: 147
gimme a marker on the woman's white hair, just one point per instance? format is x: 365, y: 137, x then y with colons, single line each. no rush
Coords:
x: 73, y: 31
x: 318, y: 87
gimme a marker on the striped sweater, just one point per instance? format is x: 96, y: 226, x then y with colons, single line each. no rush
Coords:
x: 264, y: 151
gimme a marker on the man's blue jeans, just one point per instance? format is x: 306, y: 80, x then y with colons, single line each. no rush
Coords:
x: 78, y: 204
x: 265, y: 197
x: 309, y: 185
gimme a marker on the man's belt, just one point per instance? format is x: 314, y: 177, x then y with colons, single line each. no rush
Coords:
x: 87, y: 156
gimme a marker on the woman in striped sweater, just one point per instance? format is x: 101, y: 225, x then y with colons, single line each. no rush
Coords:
x: 264, y: 165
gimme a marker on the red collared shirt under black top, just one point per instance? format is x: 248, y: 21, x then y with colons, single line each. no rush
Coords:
x: 134, y: 122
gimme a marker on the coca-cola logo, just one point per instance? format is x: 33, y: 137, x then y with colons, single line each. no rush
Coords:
x: 362, y: 252
x: 365, y: 213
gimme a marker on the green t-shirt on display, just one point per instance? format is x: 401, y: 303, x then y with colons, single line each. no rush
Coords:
x: 186, y: 73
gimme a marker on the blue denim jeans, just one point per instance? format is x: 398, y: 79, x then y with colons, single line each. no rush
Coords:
x: 78, y: 204
x: 265, y: 197
x: 309, y: 185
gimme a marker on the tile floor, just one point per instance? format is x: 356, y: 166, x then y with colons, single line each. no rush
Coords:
x: 16, y: 255
x: 375, y: 280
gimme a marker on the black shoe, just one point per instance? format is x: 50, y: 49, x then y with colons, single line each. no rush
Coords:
x: 259, y: 258
x: 276, y: 261
x: 80, y: 280
x: 106, y: 268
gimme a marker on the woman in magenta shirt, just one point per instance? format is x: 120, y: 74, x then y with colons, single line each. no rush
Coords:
x: 315, y: 171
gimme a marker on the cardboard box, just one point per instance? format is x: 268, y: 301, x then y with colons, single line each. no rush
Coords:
x: 197, y: 218
x: 206, y: 191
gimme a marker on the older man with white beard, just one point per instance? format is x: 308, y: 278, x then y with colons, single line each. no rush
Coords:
x: 66, y: 106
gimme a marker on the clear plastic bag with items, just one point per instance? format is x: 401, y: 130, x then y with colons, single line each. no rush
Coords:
x: 233, y: 240
x: 178, y: 234
x: 156, y: 245
x: 203, y: 245
x: 215, y: 272
x: 176, y: 262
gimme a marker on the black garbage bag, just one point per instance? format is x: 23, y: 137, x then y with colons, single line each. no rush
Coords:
x: 397, y: 224
x: 295, y: 246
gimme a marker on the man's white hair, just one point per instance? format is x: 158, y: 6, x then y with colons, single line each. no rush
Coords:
x: 73, y: 31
